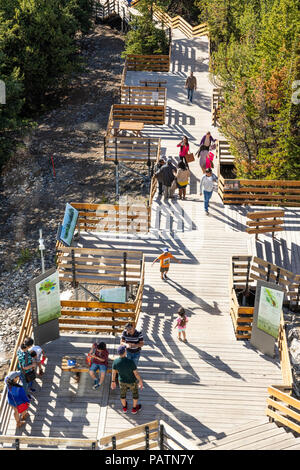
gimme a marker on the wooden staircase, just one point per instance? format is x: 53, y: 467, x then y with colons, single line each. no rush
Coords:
x: 256, y: 435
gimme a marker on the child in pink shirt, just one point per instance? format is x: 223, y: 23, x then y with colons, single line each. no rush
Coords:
x: 181, y: 323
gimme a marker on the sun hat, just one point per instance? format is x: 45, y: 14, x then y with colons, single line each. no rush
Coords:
x: 13, y: 375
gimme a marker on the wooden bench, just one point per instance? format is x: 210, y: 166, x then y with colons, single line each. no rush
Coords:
x: 81, y: 365
x: 265, y: 222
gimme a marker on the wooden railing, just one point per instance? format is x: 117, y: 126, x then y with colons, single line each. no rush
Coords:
x: 20, y: 442
x: 153, y: 115
x: 239, y: 280
x: 282, y: 408
x: 148, y: 63
x: 99, y: 317
x: 152, y: 435
x: 99, y: 266
x: 259, y: 192
x: 131, y: 148
x: 121, y: 218
x: 223, y: 153
x: 147, y: 95
x: 286, y: 368
x: 26, y: 329
x: 179, y: 23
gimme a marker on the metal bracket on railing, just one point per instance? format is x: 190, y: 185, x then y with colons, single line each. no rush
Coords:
x: 17, y: 444
x: 114, y: 443
x: 161, y: 437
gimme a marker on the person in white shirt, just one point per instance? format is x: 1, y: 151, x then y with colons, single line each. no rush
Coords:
x: 37, y: 354
x: 207, y: 186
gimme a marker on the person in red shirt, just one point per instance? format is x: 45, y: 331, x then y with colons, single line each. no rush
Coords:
x: 165, y: 259
x: 99, y: 356
x: 184, y: 149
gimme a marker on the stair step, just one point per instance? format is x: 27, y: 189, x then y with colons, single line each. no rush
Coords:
x: 279, y: 443
x: 246, y: 438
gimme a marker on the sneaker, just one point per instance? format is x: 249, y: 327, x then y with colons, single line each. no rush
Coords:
x: 96, y: 386
x: 135, y: 410
x: 206, y: 212
x: 125, y: 408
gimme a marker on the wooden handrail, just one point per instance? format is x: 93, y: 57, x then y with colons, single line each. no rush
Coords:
x: 282, y: 408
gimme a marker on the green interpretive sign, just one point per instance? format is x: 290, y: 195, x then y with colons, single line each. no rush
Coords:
x: 48, y: 298
x: 269, y: 310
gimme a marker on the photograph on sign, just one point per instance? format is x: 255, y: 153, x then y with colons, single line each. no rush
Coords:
x: 68, y: 225
x: 48, y: 298
x: 114, y: 295
x: 269, y: 310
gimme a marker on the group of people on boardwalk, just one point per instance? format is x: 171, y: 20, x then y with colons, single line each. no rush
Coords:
x: 171, y: 177
x: 31, y: 358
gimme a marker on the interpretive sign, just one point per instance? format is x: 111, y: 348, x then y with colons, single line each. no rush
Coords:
x: 266, y: 317
x: 68, y: 226
x: 45, y: 306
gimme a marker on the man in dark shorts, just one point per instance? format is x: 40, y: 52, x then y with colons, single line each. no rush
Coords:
x: 129, y: 378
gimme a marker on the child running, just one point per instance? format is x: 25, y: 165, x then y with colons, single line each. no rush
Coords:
x: 181, y: 323
x: 165, y: 259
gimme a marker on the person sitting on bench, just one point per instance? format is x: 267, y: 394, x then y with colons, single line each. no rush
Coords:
x: 99, y: 361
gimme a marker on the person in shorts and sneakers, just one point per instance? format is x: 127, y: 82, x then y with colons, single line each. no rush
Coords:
x: 99, y: 362
x: 129, y: 379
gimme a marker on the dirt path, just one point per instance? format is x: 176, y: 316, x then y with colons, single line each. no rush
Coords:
x: 31, y: 198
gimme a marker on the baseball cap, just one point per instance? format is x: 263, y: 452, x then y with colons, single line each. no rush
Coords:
x: 121, y: 350
x: 165, y: 250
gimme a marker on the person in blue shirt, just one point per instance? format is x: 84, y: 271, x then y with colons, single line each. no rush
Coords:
x: 17, y: 397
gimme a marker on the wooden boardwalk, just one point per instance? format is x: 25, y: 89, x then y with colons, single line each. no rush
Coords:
x: 214, y: 383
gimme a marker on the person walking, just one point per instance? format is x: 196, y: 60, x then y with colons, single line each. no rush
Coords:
x: 205, y: 144
x: 161, y: 162
x: 207, y: 186
x: 99, y: 362
x: 184, y: 149
x: 182, y: 179
x: 133, y: 340
x: 165, y: 259
x: 16, y: 397
x: 166, y: 175
x: 191, y: 85
x: 129, y: 379
x: 181, y: 323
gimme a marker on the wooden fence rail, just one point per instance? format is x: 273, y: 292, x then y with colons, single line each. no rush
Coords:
x: 99, y: 266
x: 146, y: 95
x: 282, y: 408
x: 153, y: 115
x: 121, y: 218
x: 259, y: 192
x: 130, y: 148
x: 148, y: 62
